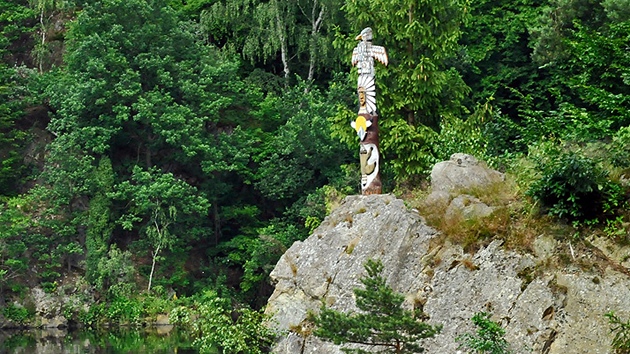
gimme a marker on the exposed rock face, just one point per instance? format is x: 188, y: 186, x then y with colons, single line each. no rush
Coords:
x: 543, y: 310
x: 48, y: 309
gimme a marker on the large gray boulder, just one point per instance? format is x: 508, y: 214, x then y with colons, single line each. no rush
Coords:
x: 462, y: 172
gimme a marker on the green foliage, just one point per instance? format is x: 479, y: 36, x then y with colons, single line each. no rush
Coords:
x: 258, y: 255
x: 258, y: 29
x: 301, y: 155
x: 295, y: 159
x: 575, y: 187
x: 407, y: 148
x: 582, y: 46
x: 381, y: 321
x: 14, y: 17
x: 600, y: 65
x: 140, y: 65
x: 99, y: 223
x: 571, y: 87
x: 619, y: 149
x: 126, y: 310
x: 295, y: 31
x: 155, y: 199
x: 18, y: 314
x: 495, y: 57
x: 14, y: 96
x: 411, y: 151
x: 141, y: 89
x: 114, y: 274
x: 212, y: 323
x: 489, y: 336
x: 621, y: 331
x: 33, y: 237
x: 13, y: 225
x: 123, y: 311
x: 465, y: 136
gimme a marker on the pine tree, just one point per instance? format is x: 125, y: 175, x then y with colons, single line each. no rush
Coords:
x: 382, y: 321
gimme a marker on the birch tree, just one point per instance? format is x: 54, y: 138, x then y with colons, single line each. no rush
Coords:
x: 46, y: 11
x: 263, y: 31
x: 155, y: 199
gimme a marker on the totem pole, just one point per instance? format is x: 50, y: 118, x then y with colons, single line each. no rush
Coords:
x: 366, y: 123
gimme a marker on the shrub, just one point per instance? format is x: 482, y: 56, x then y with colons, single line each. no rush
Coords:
x: 619, y: 148
x: 488, y: 339
x: 215, y: 323
x: 17, y: 314
x: 124, y: 311
x: 573, y: 186
x: 114, y: 274
x: 382, y: 321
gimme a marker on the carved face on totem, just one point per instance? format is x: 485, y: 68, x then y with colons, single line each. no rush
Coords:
x: 362, y: 99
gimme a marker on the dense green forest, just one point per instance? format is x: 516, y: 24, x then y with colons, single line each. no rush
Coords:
x: 172, y: 148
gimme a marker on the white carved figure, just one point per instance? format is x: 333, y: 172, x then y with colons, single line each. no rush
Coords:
x: 363, y: 58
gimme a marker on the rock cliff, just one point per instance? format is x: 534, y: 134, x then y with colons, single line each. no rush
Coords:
x: 544, y: 309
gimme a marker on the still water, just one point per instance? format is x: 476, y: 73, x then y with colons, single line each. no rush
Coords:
x: 160, y: 340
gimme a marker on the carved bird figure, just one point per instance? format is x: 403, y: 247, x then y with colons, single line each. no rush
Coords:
x: 364, y: 53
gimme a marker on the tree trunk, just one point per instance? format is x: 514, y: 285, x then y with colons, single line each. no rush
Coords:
x: 282, y: 36
x: 40, y: 58
x: 217, y: 223
x: 316, y: 21
x: 155, y: 254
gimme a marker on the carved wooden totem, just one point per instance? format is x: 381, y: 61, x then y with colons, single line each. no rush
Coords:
x: 366, y: 123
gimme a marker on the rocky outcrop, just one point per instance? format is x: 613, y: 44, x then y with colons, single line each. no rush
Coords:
x: 50, y: 310
x: 327, y: 266
x: 544, y: 309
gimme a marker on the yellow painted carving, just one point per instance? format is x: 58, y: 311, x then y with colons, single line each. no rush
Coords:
x: 361, y: 125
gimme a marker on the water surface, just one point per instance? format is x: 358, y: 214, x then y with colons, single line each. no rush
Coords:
x: 159, y: 340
